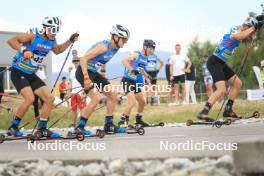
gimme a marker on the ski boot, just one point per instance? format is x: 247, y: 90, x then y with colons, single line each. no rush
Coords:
x: 231, y: 114
x: 111, y: 128
x: 46, y: 133
x: 203, y: 115
x: 140, y: 122
x: 79, y: 129
x: 124, y: 121
x: 13, y: 130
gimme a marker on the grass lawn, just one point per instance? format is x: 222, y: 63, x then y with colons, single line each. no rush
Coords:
x: 152, y: 114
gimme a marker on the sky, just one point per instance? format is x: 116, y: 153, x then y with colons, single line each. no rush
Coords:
x: 165, y: 21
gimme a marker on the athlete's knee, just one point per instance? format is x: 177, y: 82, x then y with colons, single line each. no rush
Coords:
x: 221, y: 91
x: 142, y: 103
x: 238, y: 84
x: 50, y: 99
x: 96, y: 99
x: 131, y: 103
x: 29, y: 99
x: 112, y: 96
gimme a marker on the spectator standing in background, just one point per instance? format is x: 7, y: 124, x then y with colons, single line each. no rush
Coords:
x: 190, y: 81
x: 63, y: 87
x: 77, y: 96
x: 177, y: 74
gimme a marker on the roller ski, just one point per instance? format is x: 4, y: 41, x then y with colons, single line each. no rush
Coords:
x: 87, y: 134
x: 140, y: 123
x: 111, y: 129
x: 161, y: 124
x: 205, y: 120
x: 45, y: 134
x: 234, y: 117
x: 13, y: 134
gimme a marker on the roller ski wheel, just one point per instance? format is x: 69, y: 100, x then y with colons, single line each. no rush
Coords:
x: 256, y: 114
x: 37, y: 135
x: 228, y: 122
x: 162, y: 124
x: 218, y: 124
x: 80, y: 136
x: 141, y: 131
x: 189, y: 122
x: 100, y: 133
x: 2, y: 138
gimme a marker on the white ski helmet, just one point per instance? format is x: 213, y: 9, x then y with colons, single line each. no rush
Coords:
x: 250, y: 21
x: 120, y: 31
x: 52, y: 22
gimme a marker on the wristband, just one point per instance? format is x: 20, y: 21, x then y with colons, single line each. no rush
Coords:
x: 86, y: 77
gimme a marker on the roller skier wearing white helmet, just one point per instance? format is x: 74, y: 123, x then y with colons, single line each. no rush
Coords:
x: 221, y: 72
x: 92, y: 77
x: 32, y: 49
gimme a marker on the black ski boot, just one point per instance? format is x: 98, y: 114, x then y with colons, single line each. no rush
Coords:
x: 140, y: 122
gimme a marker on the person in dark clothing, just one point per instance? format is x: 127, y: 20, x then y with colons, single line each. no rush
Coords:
x: 190, y: 81
x: 1, y: 82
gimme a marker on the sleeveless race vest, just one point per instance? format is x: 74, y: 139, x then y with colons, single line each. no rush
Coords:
x: 152, y: 63
x: 227, y: 46
x: 40, y: 49
x: 94, y: 64
x: 139, y: 63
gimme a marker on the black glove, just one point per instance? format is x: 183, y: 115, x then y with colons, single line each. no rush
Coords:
x: 259, y: 22
x: 136, y: 72
x: 73, y: 37
x: 260, y: 18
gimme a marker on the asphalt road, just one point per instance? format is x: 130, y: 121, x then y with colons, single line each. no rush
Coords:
x: 159, y: 142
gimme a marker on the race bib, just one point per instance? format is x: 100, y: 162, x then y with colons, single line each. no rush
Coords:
x: 37, y: 60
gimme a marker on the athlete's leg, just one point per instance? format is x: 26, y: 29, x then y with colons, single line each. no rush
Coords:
x: 236, y: 86
x: 48, y: 99
x: 141, y: 102
x: 28, y: 96
x: 220, y: 91
x: 141, y: 105
x: 95, y: 97
x: 111, y: 99
x: 131, y: 102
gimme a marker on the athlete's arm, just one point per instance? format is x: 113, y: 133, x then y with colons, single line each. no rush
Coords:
x: 243, y: 34
x: 62, y: 47
x: 98, y: 50
x: 161, y: 63
x: 131, y: 57
x: 16, y: 41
